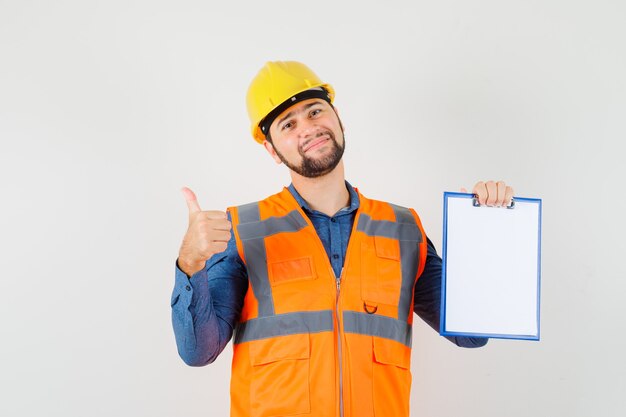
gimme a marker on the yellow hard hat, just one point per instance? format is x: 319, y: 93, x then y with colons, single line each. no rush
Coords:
x: 277, y: 86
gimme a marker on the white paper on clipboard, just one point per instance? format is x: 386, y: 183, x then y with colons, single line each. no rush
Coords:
x: 491, y: 268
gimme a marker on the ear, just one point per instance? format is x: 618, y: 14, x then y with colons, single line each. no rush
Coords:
x: 270, y: 149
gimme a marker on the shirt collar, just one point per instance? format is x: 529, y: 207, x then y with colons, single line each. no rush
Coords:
x: 354, y: 199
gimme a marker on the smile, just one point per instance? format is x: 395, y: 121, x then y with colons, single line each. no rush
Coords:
x: 316, y: 143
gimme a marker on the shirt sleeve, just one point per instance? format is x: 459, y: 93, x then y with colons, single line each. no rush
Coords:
x: 206, y: 306
x: 427, y: 300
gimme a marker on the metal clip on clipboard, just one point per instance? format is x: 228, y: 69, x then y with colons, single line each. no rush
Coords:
x: 475, y: 203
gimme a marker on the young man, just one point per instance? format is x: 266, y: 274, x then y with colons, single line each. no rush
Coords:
x: 318, y: 282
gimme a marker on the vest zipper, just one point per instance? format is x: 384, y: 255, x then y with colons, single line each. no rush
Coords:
x: 338, y: 280
x: 338, y: 285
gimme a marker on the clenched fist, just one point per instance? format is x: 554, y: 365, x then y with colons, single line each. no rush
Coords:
x: 492, y: 194
x: 208, y: 233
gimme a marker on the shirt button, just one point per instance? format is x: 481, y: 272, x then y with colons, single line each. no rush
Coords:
x: 335, y: 256
x: 333, y: 220
x: 188, y: 288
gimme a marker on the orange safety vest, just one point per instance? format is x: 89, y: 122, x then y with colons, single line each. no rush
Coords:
x: 310, y: 344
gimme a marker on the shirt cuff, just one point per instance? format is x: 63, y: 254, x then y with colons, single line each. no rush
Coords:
x: 185, y: 287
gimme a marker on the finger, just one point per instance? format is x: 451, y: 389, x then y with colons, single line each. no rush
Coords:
x: 220, y: 236
x: 219, y: 247
x: 215, y: 214
x: 508, y: 195
x: 501, y: 189
x: 221, y: 224
x: 492, y: 193
x: 481, y: 192
x: 463, y: 190
x: 192, y: 201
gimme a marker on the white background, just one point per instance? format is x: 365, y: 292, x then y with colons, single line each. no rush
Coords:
x: 107, y: 108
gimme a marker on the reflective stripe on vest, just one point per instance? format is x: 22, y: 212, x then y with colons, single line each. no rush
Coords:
x: 322, y: 321
x: 285, y: 324
x: 381, y: 326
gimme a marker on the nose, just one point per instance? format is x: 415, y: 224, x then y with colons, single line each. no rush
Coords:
x: 308, y: 128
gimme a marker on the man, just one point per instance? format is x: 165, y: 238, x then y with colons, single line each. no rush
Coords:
x: 318, y: 282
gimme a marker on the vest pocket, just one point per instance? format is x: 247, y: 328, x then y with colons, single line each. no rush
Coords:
x: 280, y: 376
x: 381, y: 271
x: 290, y: 270
x: 391, y: 378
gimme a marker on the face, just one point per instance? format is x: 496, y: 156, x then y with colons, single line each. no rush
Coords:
x: 308, y: 138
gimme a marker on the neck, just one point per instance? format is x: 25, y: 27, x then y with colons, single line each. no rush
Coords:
x: 327, y: 194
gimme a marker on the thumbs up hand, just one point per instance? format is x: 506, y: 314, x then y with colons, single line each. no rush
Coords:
x: 208, y: 233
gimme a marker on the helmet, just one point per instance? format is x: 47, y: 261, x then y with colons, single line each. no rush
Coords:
x: 277, y: 86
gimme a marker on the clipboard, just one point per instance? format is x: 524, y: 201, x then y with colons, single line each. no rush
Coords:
x: 491, y: 272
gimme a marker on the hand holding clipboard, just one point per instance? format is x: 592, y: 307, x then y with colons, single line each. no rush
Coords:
x: 492, y: 194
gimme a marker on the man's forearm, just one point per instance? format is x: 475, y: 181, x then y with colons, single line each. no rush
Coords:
x: 200, y: 336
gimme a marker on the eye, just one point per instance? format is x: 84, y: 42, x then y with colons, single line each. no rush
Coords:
x: 315, y: 112
x: 287, y: 125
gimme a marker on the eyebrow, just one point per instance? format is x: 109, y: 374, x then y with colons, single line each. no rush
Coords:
x: 290, y: 114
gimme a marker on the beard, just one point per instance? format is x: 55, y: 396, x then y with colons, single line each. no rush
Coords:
x: 313, y: 168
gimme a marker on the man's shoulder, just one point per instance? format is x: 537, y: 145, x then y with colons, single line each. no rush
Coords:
x: 383, y: 203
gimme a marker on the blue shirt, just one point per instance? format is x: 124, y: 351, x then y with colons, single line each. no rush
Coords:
x: 206, y: 306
